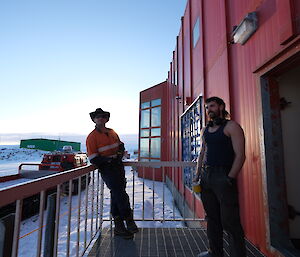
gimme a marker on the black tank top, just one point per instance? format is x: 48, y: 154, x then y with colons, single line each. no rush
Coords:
x: 219, y: 150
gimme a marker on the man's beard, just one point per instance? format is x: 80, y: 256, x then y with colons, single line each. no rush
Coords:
x: 214, y: 115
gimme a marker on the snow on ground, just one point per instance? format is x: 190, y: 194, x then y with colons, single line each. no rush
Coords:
x: 11, y: 156
x: 29, y: 227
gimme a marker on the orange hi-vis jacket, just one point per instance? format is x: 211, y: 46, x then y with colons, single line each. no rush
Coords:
x: 103, y: 144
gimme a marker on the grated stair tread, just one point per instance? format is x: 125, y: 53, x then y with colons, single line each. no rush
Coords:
x: 159, y: 242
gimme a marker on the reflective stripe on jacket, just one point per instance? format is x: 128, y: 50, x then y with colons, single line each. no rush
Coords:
x: 104, y: 144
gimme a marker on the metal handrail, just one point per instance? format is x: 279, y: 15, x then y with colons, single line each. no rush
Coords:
x: 161, y: 164
x: 12, y: 193
x: 19, y: 192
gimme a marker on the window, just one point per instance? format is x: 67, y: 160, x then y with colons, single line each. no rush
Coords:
x: 145, y: 132
x: 196, y: 32
x: 155, y: 132
x: 145, y: 105
x: 144, y: 147
x: 191, y: 125
x: 155, y: 147
x: 150, y: 130
x: 145, y: 118
x: 155, y: 102
x: 155, y: 117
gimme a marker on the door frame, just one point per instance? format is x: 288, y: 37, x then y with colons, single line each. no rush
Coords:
x: 271, y: 142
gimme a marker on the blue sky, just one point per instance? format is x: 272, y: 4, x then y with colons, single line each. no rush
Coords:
x: 61, y: 59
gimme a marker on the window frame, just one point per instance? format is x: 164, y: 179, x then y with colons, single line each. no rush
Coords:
x: 150, y: 129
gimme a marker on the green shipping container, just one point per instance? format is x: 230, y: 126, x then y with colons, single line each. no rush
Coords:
x: 48, y: 144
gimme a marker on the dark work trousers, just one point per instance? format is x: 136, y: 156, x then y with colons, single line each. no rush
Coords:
x: 113, y: 175
x: 220, y: 201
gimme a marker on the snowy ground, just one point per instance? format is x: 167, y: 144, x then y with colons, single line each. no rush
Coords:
x: 11, y: 156
x: 29, y: 227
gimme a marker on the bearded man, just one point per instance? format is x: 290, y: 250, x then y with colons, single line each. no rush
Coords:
x: 221, y: 158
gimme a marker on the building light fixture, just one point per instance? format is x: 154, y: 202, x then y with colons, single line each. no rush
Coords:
x: 245, y: 29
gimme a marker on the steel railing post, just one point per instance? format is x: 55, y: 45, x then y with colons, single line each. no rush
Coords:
x: 78, y: 216
x: 143, y: 214
x: 92, y: 210
x: 164, y: 184
x: 173, y: 188
x: 50, y: 226
x: 86, y: 209
x: 41, y: 223
x: 133, y: 187
x: 18, y: 216
x: 56, y: 230
x: 69, y: 216
x: 101, y: 202
x: 153, y: 191
x: 97, y: 200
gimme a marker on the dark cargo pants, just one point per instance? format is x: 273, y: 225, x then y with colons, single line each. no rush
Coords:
x: 220, y: 200
x: 113, y: 175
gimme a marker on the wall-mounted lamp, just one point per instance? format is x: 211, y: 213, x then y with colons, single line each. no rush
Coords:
x: 245, y: 29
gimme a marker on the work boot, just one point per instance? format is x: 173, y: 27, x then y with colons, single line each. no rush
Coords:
x: 120, y: 229
x: 131, y: 226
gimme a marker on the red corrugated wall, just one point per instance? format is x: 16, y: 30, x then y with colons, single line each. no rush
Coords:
x: 180, y: 74
x: 216, y: 67
x: 197, y: 57
x: 186, y: 53
x: 215, y: 48
x: 275, y: 28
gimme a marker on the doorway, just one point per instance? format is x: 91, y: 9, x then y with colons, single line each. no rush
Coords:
x: 289, y: 92
x: 280, y: 90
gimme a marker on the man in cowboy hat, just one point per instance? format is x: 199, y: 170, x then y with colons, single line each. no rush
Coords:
x: 105, y: 150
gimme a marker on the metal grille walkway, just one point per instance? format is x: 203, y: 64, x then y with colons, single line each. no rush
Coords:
x: 158, y: 242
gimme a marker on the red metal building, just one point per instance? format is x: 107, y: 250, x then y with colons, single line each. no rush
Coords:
x: 153, y: 113
x: 260, y: 83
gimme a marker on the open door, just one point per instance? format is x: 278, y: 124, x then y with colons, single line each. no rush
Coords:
x: 280, y: 90
x: 289, y: 92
